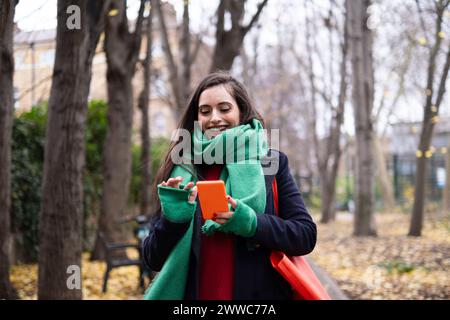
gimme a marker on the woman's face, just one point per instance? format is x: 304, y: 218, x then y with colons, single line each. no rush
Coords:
x: 217, y: 110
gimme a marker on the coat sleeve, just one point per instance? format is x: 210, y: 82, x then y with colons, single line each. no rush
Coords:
x: 164, y: 235
x: 294, y: 231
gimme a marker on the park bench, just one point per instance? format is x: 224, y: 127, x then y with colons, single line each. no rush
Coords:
x: 113, y: 262
x: 141, y: 230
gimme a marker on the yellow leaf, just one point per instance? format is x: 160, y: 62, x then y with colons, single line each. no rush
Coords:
x: 113, y: 12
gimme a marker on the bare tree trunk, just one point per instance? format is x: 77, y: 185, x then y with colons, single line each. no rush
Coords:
x: 383, y: 177
x: 328, y: 174
x: 387, y: 191
x: 306, y: 144
x: 62, y: 195
x: 229, y: 42
x: 180, y: 82
x: 122, y: 50
x: 333, y: 154
x: 329, y: 195
x: 7, y: 290
x: 363, y: 88
x: 431, y: 112
x: 327, y: 199
x: 144, y: 98
x: 185, y: 48
x: 312, y: 110
x: 328, y: 154
x: 415, y: 228
x: 172, y: 66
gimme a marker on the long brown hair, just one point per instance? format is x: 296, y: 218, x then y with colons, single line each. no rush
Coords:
x: 247, y: 113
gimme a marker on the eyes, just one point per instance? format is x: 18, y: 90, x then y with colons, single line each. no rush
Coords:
x: 205, y: 110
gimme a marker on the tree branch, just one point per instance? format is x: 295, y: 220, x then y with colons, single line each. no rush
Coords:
x: 255, y: 17
x: 432, y: 60
x: 441, y: 90
x: 137, y: 34
x: 422, y: 22
x: 96, y: 16
x: 194, y: 52
x: 173, y: 70
x: 220, y: 17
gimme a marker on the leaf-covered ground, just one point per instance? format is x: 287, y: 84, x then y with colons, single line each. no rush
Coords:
x: 390, y: 266
x: 122, y: 283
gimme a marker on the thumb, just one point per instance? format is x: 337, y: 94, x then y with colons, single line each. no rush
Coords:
x: 193, y: 194
x: 232, y: 202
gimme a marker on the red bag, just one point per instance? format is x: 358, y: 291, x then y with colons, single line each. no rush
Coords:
x: 296, y: 269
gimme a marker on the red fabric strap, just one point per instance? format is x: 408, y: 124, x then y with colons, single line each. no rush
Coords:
x: 275, y: 194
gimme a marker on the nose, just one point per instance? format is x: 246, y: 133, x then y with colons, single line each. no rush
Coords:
x: 215, y: 117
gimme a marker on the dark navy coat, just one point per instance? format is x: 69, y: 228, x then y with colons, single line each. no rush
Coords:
x: 293, y: 232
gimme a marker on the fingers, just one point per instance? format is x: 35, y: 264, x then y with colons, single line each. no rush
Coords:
x: 189, y: 186
x: 193, y: 194
x: 232, y: 202
x: 222, y: 217
x: 172, y: 182
x: 175, y: 183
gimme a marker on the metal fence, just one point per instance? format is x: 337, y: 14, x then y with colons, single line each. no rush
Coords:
x: 403, y: 170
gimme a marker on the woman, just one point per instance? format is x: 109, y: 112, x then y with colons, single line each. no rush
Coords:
x: 227, y: 257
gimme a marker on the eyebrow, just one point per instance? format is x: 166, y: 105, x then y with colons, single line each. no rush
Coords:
x: 222, y: 102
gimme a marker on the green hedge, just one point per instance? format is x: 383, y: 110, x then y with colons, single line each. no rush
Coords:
x: 96, y: 127
x: 27, y: 157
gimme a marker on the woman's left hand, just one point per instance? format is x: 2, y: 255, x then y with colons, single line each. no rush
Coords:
x: 223, y: 217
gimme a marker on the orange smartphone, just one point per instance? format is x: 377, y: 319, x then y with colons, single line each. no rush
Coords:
x: 213, y: 197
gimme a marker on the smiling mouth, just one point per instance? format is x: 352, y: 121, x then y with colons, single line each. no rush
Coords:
x: 218, y: 128
x: 215, y: 131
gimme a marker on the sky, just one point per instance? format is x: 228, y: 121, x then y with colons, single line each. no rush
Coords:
x: 36, y: 14
x: 41, y: 14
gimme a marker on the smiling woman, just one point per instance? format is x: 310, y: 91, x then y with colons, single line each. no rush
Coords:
x: 226, y: 257
x: 218, y: 110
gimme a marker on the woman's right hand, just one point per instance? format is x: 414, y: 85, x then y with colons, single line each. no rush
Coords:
x: 175, y: 183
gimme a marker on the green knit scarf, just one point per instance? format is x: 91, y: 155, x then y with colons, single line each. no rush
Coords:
x: 241, y: 149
